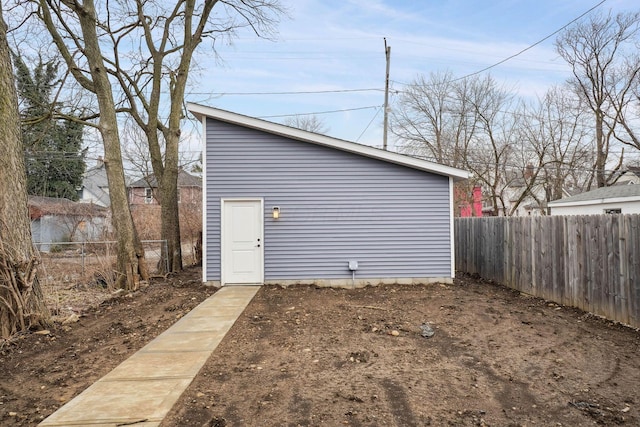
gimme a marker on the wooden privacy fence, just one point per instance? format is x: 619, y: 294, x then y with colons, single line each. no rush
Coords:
x: 591, y: 262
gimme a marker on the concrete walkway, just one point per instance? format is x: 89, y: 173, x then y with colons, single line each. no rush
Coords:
x: 144, y: 388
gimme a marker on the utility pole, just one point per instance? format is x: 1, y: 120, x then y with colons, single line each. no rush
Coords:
x: 387, y: 52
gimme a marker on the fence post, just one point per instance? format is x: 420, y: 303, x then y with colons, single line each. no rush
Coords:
x: 82, y: 253
x: 166, y: 258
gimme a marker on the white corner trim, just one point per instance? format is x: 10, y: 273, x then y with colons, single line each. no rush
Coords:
x: 204, y: 200
x: 452, y: 228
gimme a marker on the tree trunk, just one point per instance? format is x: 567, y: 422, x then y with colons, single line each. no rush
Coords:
x: 21, y: 302
x: 167, y: 178
x: 170, y: 215
x: 131, y: 266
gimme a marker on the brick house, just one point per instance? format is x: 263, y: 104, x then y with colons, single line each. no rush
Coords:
x: 145, y: 190
x: 145, y: 208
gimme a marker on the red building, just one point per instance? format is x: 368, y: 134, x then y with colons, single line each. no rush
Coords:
x: 473, y: 207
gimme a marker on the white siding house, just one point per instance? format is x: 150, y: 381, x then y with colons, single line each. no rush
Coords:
x: 286, y: 206
x: 629, y: 177
x: 623, y: 199
x: 95, y: 187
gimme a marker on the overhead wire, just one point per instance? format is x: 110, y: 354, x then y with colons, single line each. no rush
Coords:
x: 397, y: 91
x: 328, y: 91
x: 301, y: 92
x: 380, y: 89
x: 528, y: 47
x: 369, y: 124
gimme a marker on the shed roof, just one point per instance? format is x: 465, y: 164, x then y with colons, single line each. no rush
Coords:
x: 601, y: 195
x: 40, y: 206
x: 200, y: 111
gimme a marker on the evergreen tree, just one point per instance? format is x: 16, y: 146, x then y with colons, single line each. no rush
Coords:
x: 53, y: 146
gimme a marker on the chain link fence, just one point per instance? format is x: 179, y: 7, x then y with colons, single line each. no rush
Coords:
x: 85, y: 262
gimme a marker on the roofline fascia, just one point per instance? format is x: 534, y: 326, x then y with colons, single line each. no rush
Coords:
x: 200, y: 111
x: 600, y: 201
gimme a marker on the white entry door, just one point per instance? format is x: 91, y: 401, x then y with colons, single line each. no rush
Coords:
x: 242, y: 242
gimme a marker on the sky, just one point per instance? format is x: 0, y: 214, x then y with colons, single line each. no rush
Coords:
x: 338, y: 45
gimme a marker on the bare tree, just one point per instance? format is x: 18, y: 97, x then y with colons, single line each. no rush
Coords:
x: 93, y: 76
x: 626, y: 102
x: 21, y: 302
x: 171, y: 34
x: 601, y: 53
x: 562, y: 122
x: 310, y: 123
x: 462, y: 123
x: 434, y: 119
x: 147, y: 49
x: 135, y: 150
x: 492, y: 131
x: 549, y: 150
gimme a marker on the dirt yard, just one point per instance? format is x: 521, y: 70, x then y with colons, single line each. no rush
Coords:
x: 304, y: 356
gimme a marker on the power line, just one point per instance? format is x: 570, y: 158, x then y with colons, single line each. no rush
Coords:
x: 305, y: 92
x: 528, y: 113
x: 380, y: 90
x: 365, y: 129
x: 533, y: 45
x: 525, y: 49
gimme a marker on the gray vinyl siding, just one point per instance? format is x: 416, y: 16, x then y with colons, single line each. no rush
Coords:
x: 335, y: 207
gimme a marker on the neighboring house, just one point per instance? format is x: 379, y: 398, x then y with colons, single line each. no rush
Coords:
x: 287, y: 206
x: 56, y: 220
x: 630, y: 176
x: 519, y: 200
x: 145, y: 190
x: 533, y: 203
x: 95, y: 187
x: 620, y: 199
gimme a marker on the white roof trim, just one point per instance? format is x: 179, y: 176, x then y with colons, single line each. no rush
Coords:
x: 364, y: 150
x: 601, y: 201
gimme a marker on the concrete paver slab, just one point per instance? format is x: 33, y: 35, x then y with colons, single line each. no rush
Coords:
x: 144, y: 388
x: 186, y: 342
x: 234, y: 301
x: 137, y: 423
x: 196, y: 324
x: 238, y: 290
x: 120, y: 402
x: 217, y: 311
x: 159, y: 365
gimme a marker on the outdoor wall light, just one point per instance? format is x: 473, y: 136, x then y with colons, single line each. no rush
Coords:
x: 276, y: 212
